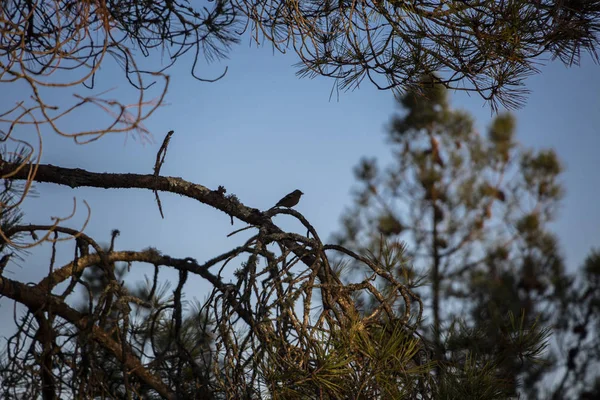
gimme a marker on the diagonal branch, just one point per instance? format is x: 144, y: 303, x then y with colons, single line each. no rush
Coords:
x: 77, y: 177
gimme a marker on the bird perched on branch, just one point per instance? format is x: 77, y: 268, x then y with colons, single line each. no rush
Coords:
x: 290, y: 200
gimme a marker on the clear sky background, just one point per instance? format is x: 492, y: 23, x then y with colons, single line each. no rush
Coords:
x: 262, y: 132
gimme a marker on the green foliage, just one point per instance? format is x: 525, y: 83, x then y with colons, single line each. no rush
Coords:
x: 389, y: 225
x: 540, y: 172
x: 591, y: 267
x: 478, y: 366
x: 501, y: 135
x: 474, y: 212
x: 375, y: 362
x: 10, y: 212
x: 578, y: 319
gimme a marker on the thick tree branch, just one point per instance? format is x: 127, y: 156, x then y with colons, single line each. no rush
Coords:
x: 76, y: 177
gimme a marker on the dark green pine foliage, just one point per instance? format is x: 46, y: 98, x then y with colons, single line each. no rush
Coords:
x: 576, y: 371
x: 473, y: 209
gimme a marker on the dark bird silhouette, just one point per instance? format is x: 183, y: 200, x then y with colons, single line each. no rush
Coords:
x: 290, y: 200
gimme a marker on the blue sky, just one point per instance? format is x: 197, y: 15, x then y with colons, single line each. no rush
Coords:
x: 261, y: 132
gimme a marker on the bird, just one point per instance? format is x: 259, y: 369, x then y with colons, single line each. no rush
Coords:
x: 289, y: 200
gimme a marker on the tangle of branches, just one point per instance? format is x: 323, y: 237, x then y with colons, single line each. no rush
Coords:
x: 259, y: 333
x: 285, y: 325
x: 486, y: 46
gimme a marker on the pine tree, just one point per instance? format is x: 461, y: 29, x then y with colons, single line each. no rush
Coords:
x: 473, y: 211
